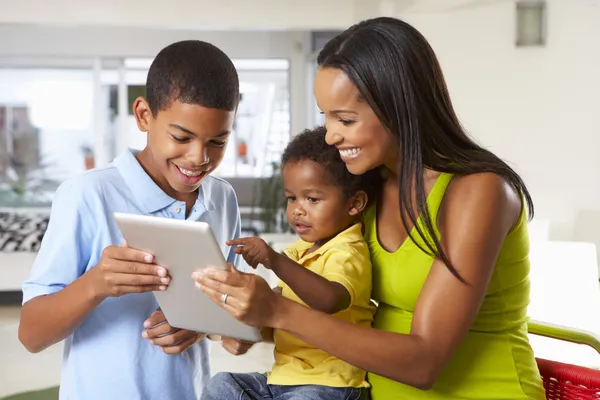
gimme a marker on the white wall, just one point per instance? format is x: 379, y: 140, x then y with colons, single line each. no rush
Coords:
x: 211, y: 14
x: 538, y: 108
x: 183, y: 14
x: 92, y: 41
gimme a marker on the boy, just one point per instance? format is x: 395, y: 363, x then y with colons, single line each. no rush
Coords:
x: 329, y: 269
x: 88, y: 288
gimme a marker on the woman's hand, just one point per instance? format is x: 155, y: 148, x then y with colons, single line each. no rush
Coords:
x: 247, y: 297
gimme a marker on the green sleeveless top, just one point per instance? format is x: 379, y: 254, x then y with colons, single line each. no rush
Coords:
x: 495, y: 360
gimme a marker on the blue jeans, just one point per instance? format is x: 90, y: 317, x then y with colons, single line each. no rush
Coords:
x: 228, y: 386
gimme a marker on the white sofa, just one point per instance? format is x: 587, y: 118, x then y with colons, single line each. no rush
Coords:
x: 20, y: 233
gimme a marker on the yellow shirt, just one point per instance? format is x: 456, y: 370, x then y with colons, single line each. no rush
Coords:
x: 344, y: 259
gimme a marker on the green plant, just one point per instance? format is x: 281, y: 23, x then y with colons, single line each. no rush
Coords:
x: 269, y: 203
x: 26, y: 185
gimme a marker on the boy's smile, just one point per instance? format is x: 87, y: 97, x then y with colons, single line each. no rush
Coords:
x: 189, y: 176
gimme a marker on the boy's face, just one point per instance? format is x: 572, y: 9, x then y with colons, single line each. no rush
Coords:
x: 317, y: 209
x: 186, y: 142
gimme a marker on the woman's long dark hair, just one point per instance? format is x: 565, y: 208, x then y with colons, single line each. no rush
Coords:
x: 396, y: 71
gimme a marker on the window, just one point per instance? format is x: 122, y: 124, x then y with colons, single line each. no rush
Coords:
x: 262, y: 127
x: 45, y: 131
x: 531, y: 23
x: 61, y: 117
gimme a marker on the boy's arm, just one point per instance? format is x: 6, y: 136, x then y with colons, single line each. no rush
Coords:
x: 48, y: 319
x: 314, y: 290
x: 59, y: 296
x: 233, y: 258
x: 52, y: 308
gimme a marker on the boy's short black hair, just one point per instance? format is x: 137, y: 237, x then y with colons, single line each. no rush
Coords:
x: 193, y: 72
x: 311, y: 145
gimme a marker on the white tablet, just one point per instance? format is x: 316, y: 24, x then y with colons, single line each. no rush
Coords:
x: 183, y: 247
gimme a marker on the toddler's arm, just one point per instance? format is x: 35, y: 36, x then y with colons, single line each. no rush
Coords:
x: 317, y: 292
x: 314, y: 290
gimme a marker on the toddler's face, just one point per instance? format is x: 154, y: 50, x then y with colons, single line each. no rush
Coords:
x: 316, y: 209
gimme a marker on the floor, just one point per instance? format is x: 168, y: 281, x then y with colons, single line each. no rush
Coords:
x: 21, y: 371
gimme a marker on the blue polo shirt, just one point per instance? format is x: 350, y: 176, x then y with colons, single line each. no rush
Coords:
x: 106, y: 357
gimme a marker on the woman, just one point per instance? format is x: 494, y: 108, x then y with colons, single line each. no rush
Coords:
x: 447, y: 235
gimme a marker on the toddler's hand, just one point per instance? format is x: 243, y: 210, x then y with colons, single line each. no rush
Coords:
x: 254, y: 250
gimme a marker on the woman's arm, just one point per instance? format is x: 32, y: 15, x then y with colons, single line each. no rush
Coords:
x: 478, y: 212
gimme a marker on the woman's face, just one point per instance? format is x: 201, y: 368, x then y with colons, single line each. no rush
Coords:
x: 352, y: 126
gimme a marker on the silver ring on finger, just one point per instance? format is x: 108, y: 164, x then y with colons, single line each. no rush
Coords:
x: 224, y: 298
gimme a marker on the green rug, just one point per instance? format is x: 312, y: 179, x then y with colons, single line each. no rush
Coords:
x: 46, y: 394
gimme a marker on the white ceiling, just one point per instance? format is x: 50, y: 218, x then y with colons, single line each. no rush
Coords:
x: 221, y: 14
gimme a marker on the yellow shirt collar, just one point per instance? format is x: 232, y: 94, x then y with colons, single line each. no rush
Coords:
x: 297, y: 251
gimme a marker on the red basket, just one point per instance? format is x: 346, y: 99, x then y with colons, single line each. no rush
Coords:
x: 569, y: 382
x: 566, y: 381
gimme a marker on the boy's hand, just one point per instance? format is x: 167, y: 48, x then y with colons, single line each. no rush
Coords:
x: 122, y: 270
x: 236, y: 347
x: 254, y: 250
x: 170, y: 340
